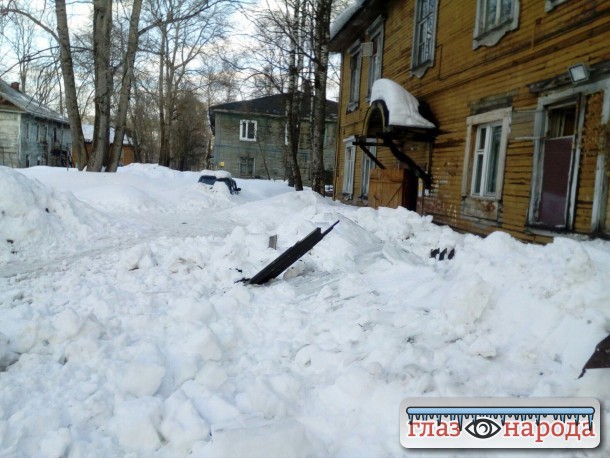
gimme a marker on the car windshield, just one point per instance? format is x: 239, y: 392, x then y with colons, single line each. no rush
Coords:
x: 207, y: 179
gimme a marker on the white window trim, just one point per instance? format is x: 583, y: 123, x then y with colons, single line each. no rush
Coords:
x: 373, y: 150
x: 354, y: 53
x: 418, y: 69
x: 492, y: 36
x: 376, y: 32
x: 599, y: 196
x: 348, y: 172
x: 549, y: 5
x: 246, y: 139
x: 503, y: 116
x: 485, y: 160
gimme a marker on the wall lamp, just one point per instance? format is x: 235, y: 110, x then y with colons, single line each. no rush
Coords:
x: 578, y: 73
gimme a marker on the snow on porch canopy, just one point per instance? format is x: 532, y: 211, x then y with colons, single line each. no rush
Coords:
x: 403, y: 107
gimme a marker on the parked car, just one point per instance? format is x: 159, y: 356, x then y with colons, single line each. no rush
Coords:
x: 210, y: 177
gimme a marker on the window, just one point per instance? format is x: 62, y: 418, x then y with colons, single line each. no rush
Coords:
x: 246, y: 166
x: 495, y: 18
x: 44, y: 133
x: 348, y: 172
x: 483, y: 173
x: 32, y: 132
x: 556, y: 166
x: 424, y: 37
x: 327, y: 134
x: 367, y: 166
x: 485, y: 165
x: 247, y: 130
x: 27, y: 131
x: 551, y: 4
x: 354, y: 76
x: 375, y: 33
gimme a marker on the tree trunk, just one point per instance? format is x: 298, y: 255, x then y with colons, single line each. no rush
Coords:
x: 163, y: 142
x: 102, y: 26
x: 130, y: 57
x: 318, y: 124
x: 79, y: 152
x: 293, y: 105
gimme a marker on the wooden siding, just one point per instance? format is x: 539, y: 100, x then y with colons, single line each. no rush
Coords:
x: 463, y: 82
x: 9, y: 139
x: 269, y: 150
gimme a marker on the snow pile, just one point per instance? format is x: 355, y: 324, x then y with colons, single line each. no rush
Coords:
x: 154, y: 348
x: 36, y: 220
x: 402, y: 106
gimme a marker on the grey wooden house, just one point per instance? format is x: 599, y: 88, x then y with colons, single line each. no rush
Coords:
x: 250, y: 138
x: 31, y: 133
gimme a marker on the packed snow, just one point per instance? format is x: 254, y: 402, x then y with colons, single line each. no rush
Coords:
x: 403, y: 107
x: 125, y: 329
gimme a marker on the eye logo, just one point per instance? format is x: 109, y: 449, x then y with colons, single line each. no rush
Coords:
x: 483, y: 428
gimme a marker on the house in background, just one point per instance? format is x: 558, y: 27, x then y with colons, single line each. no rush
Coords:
x: 31, y: 133
x: 127, y: 152
x: 515, y: 102
x: 250, y: 139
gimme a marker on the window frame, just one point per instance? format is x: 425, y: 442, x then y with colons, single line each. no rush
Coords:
x: 376, y: 36
x: 501, y: 116
x: 490, y: 36
x: 367, y: 166
x: 419, y: 67
x: 349, y: 168
x: 250, y: 162
x: 550, y: 5
x: 355, y: 73
x: 482, y: 155
x: 247, y: 122
x: 555, y: 100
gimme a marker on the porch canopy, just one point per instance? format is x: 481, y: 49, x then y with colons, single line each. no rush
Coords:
x: 393, y: 114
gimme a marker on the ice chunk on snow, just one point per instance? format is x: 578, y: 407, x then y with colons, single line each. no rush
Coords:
x: 135, y: 424
x: 402, y: 106
x: 142, y: 379
x: 286, y: 438
x: 182, y: 425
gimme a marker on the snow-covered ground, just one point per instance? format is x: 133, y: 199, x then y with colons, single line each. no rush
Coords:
x: 124, y: 330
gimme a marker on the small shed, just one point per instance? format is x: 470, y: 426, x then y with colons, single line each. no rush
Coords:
x: 127, y: 153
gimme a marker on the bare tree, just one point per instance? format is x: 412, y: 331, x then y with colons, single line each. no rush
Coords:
x: 183, y: 30
x: 321, y: 37
x: 126, y: 82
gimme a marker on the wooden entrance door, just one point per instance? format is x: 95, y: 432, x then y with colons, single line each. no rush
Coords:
x: 393, y: 188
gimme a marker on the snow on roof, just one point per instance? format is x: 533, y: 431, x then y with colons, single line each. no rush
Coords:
x: 88, y: 134
x: 347, y: 14
x: 402, y: 106
x: 28, y: 104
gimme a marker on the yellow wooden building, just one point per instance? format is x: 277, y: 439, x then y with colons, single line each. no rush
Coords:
x: 511, y: 132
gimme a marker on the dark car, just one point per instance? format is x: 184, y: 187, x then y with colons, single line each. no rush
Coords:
x: 212, y: 178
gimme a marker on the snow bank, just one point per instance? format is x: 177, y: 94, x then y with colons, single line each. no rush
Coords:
x: 154, y: 347
x: 403, y: 107
x: 37, y: 221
